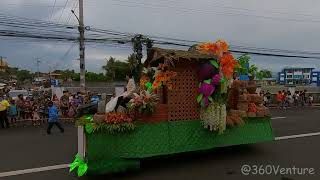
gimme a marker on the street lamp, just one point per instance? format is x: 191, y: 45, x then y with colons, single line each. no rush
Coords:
x: 75, y: 16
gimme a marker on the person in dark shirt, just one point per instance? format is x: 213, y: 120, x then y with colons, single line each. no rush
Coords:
x: 64, y: 103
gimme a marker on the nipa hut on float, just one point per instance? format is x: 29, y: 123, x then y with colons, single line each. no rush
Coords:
x: 180, y: 102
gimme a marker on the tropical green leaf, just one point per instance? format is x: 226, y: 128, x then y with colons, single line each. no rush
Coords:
x: 210, y: 99
x: 202, y: 103
x: 214, y: 63
x: 199, y: 98
x: 208, y: 81
x: 223, y: 80
x: 89, y: 128
x: 89, y: 118
x: 73, y: 166
x: 82, y: 169
x: 148, y: 85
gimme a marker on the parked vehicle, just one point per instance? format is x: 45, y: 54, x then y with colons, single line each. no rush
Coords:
x: 14, y: 94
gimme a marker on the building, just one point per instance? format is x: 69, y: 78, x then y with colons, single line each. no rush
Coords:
x: 315, y: 78
x: 3, y: 65
x: 296, y: 75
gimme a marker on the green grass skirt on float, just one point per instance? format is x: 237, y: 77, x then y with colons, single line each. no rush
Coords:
x: 109, y: 153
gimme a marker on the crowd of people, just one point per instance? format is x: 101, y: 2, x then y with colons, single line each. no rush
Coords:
x: 285, y: 99
x: 40, y: 109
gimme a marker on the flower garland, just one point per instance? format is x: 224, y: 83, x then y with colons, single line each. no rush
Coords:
x: 214, y: 117
x: 214, y: 77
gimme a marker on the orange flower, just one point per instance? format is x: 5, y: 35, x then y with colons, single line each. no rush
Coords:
x: 218, y: 48
x: 155, y: 84
x: 228, y: 64
x: 222, y: 46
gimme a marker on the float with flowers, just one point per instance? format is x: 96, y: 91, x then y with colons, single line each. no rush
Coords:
x: 186, y: 101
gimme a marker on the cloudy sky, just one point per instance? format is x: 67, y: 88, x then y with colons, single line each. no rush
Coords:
x: 279, y: 24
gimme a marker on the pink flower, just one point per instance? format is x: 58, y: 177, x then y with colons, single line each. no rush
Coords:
x: 206, y: 89
x: 216, y: 79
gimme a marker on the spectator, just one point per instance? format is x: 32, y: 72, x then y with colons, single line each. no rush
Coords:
x: 53, y: 118
x: 55, y: 100
x: 4, y: 105
x: 290, y: 99
x: 279, y: 99
x: 64, y: 103
x: 284, y: 99
x: 13, y: 112
x: 268, y: 95
x: 35, y: 116
x: 20, y: 106
x: 310, y: 100
x: 302, y: 98
x: 28, y: 108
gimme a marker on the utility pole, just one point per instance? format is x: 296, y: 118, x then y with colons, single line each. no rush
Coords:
x: 82, y: 49
x: 38, y: 66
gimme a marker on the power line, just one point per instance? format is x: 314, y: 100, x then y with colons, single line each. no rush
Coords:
x: 120, y: 37
x: 134, y: 4
x: 65, y: 5
x: 30, y: 5
x: 54, y: 4
x: 75, y: 6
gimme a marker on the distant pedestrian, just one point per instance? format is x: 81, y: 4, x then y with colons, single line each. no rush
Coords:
x: 53, y: 118
x: 268, y: 95
x: 4, y: 105
x: 64, y: 103
x: 20, y: 105
x: 296, y: 98
x: 310, y: 100
x: 13, y: 112
x: 284, y: 99
x: 279, y: 99
x: 302, y: 98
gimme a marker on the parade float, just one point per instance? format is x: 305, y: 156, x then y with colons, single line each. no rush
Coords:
x: 186, y: 101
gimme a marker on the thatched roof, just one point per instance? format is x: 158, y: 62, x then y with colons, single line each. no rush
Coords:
x: 158, y: 54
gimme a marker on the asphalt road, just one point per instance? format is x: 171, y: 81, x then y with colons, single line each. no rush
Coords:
x: 24, y: 148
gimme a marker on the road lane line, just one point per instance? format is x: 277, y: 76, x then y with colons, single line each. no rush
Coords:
x: 297, y: 136
x: 64, y: 166
x: 278, y: 117
x: 33, y: 170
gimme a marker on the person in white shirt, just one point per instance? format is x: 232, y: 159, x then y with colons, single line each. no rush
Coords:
x: 124, y: 98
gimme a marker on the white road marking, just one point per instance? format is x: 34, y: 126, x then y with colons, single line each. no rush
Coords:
x: 64, y: 166
x: 33, y: 170
x: 278, y: 117
x: 297, y: 136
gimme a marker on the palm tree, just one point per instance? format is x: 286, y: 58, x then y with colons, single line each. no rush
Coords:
x: 132, y: 62
x: 110, y: 67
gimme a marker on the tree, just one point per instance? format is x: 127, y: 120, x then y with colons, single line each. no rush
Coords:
x: 115, y: 69
x: 66, y: 74
x: 267, y: 73
x: 23, y: 75
x: 95, y: 77
x: 110, y: 68
x: 133, y: 64
x: 137, y: 43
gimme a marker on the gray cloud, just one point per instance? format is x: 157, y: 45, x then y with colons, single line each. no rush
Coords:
x: 204, y: 20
